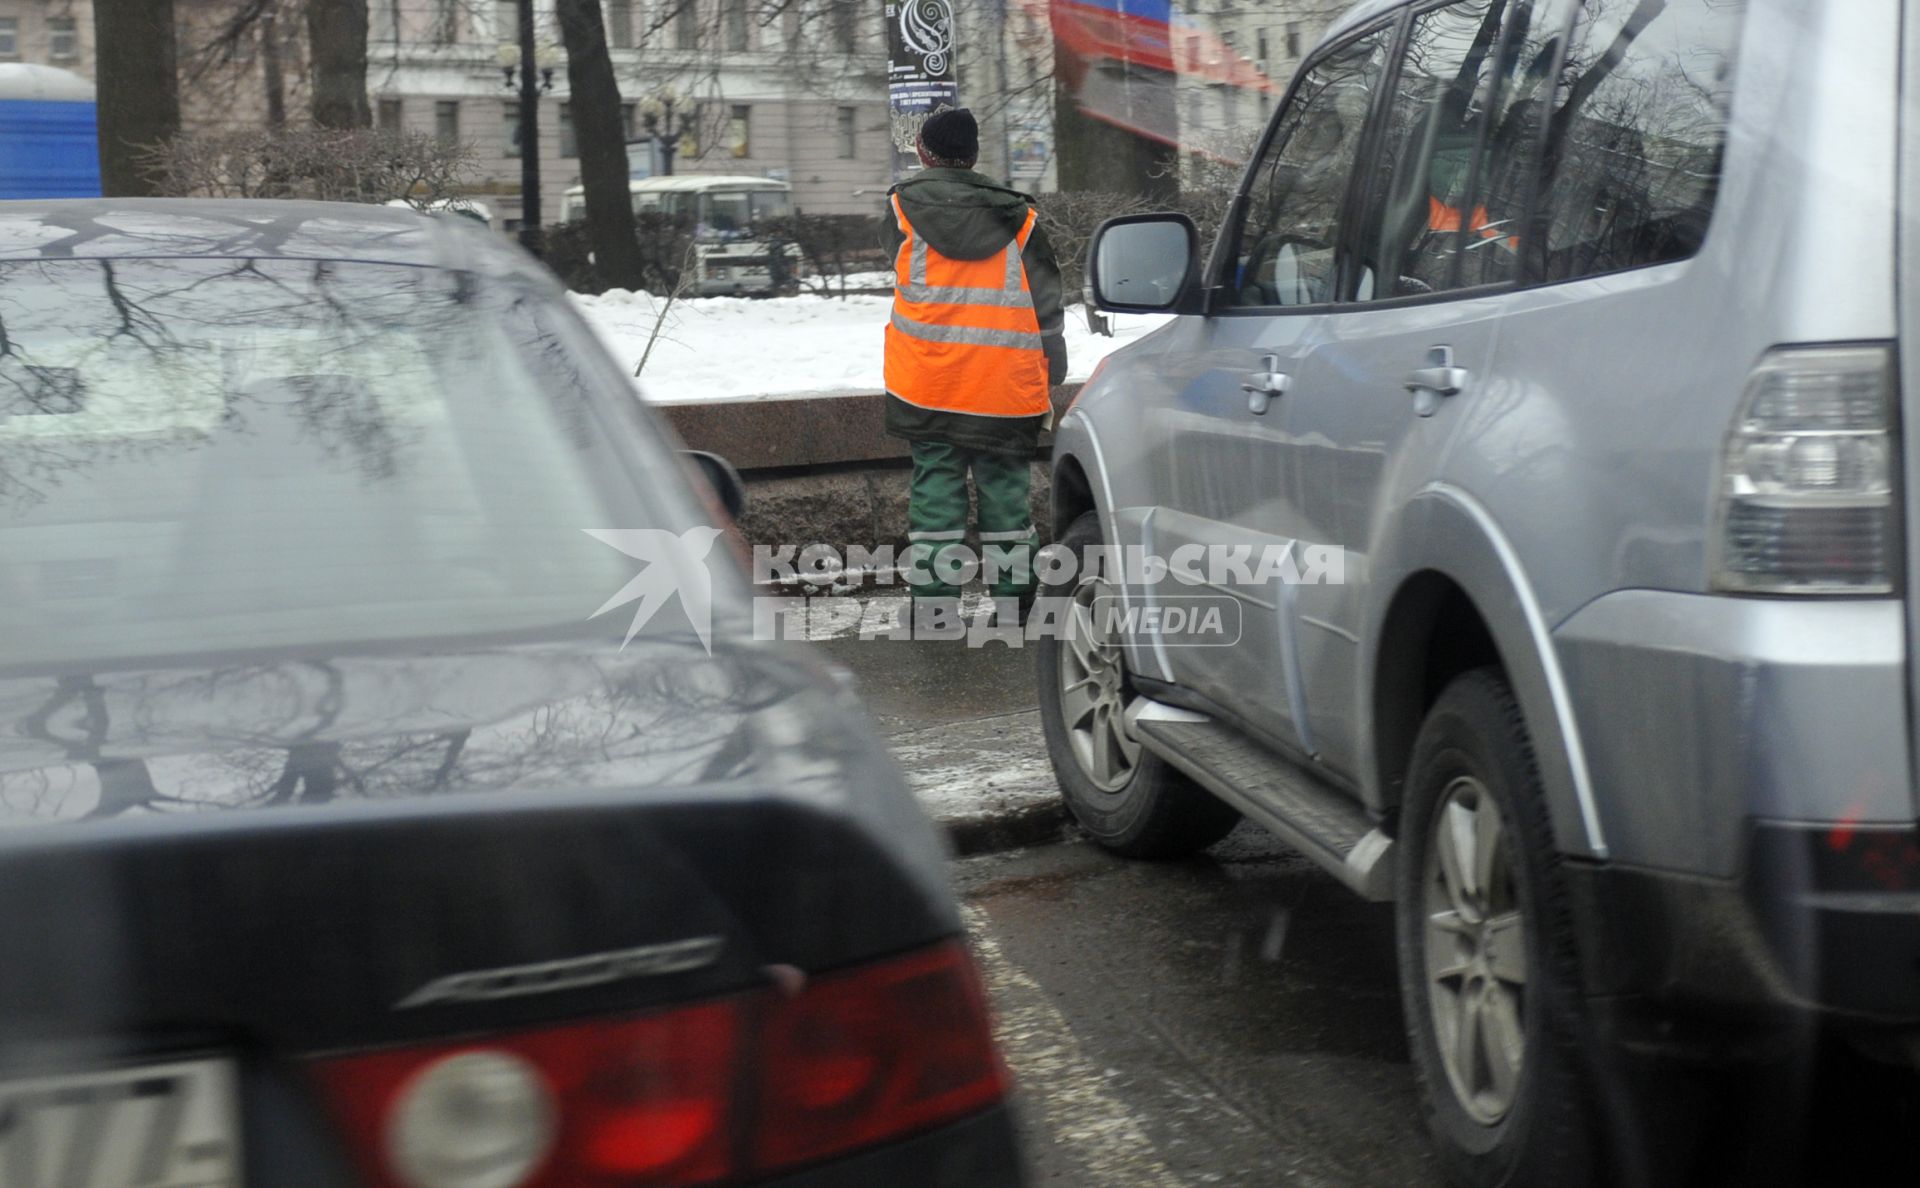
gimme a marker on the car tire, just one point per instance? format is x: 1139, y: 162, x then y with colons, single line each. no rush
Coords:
x: 1133, y: 803
x: 1480, y: 901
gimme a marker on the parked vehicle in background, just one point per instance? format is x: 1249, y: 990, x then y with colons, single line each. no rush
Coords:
x: 734, y: 222
x: 341, y: 841
x: 1580, y: 335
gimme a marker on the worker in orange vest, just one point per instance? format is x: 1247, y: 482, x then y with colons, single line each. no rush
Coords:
x: 973, y: 349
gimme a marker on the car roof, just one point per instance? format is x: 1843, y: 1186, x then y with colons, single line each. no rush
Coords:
x: 131, y: 228
x: 707, y: 181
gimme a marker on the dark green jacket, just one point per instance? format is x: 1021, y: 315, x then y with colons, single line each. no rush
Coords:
x: 964, y: 215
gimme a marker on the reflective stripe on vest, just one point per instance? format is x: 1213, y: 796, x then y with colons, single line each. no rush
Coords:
x: 964, y: 336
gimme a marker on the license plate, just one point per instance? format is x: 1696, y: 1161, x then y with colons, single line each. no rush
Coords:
x: 151, y: 1126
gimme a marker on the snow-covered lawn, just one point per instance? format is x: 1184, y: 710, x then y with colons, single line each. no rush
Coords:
x: 717, y: 348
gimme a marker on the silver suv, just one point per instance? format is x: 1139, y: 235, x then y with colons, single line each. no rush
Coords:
x: 1511, y: 518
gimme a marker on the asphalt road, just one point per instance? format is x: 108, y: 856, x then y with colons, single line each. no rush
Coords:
x: 1231, y: 1019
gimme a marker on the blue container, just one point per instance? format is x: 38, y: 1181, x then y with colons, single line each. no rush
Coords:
x: 49, y: 142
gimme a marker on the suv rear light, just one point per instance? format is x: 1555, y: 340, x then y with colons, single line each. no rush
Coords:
x: 855, y: 1059
x: 1806, y: 493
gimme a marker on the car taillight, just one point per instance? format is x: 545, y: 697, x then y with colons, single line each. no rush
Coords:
x: 1807, y: 477
x: 683, y: 1096
x: 871, y: 1053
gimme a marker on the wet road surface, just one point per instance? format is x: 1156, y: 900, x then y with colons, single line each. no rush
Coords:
x: 1231, y: 1019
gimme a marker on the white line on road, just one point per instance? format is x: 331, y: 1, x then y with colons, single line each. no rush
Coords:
x: 1057, y: 1079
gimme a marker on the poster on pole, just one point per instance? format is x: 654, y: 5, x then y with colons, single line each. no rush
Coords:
x: 920, y: 77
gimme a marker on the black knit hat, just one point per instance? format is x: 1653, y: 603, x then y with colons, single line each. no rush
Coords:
x: 951, y: 134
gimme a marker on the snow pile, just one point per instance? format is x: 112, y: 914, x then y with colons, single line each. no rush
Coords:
x: 719, y: 348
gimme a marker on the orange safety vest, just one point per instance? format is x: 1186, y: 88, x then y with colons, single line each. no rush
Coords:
x: 964, y: 336
x: 1442, y: 217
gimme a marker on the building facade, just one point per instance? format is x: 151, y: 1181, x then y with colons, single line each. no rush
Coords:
x: 721, y: 86
x: 48, y: 33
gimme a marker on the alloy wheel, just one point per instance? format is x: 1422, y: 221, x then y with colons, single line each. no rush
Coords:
x: 1094, y: 694
x: 1476, y: 957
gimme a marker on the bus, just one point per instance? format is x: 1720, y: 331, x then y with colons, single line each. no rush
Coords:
x: 728, y: 216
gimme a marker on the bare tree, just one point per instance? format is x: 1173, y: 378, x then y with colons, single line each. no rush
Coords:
x: 337, y: 40
x: 325, y: 164
x: 138, y: 91
x: 600, y: 134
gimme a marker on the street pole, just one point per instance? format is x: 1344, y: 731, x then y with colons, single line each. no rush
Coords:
x: 529, y: 133
x: 1006, y: 114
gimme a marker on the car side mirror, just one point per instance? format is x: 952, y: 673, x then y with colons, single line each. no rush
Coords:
x: 728, y: 487
x: 1145, y: 264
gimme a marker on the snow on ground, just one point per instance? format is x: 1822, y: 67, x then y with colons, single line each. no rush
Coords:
x: 718, y: 348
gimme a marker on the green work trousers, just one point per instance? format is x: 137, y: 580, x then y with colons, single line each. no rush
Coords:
x: 937, y: 521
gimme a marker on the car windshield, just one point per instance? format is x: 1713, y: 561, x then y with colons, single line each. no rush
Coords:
x: 209, y: 454
x: 728, y: 213
x: 772, y: 204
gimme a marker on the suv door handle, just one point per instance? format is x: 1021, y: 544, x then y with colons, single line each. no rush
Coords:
x: 1437, y: 380
x: 1262, y: 386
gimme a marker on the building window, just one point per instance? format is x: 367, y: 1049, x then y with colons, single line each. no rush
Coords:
x: 620, y: 24
x: 1262, y: 44
x: 1293, y: 41
x: 9, y: 37
x: 510, y: 128
x: 63, y: 39
x: 686, y: 25
x: 739, y: 125
x: 446, y: 22
x: 380, y: 20
x: 446, y: 121
x: 735, y: 15
x: 690, y: 147
x: 506, y: 20
x: 629, y: 120
x: 849, y: 133
x: 845, y: 18
x: 388, y: 115
x: 569, y: 144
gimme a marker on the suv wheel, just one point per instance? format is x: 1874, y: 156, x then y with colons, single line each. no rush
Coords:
x: 1487, y: 962
x: 1130, y: 800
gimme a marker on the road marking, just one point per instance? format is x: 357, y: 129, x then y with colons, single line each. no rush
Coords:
x: 1056, y: 1078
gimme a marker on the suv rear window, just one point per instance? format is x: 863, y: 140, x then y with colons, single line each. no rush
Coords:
x: 1633, y: 148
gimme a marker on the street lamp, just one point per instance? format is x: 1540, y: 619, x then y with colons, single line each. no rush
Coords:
x: 657, y: 115
x: 545, y: 59
x: 534, y: 65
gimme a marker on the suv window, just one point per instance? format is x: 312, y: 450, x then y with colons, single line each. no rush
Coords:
x: 1450, y: 177
x: 1633, y: 149
x: 1532, y: 45
x: 1411, y: 240
x: 1298, y: 190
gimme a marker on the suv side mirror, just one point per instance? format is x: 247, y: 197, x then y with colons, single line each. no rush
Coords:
x: 1145, y: 264
x: 723, y: 478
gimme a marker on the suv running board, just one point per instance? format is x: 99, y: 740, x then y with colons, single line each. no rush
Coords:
x: 1326, y: 826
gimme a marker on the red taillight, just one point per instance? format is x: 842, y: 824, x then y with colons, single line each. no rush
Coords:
x: 684, y: 1096
x: 871, y: 1053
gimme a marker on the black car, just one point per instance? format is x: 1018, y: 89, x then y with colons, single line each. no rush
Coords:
x: 341, y: 842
